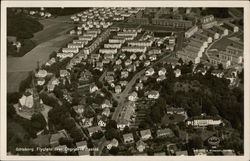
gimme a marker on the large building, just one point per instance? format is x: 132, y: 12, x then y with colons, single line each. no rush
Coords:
x: 208, y: 21
x: 172, y: 22
x: 191, y: 31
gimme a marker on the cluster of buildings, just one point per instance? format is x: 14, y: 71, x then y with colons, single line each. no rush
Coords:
x: 201, y: 37
x: 101, y: 17
x: 169, y: 17
x: 40, y: 13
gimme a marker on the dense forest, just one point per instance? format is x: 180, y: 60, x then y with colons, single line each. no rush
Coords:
x: 21, y: 25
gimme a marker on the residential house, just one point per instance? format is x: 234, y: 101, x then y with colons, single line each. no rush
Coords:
x: 87, y: 122
x: 133, y: 56
x: 50, y: 62
x: 152, y: 57
x: 108, y: 51
x: 128, y: 62
x: 113, y: 143
x: 106, y: 104
x: 75, y: 46
x: 106, y: 111
x: 164, y: 132
x: 124, y: 74
x: 140, y: 145
x: 217, y: 73
x: 41, y: 74
x: 139, y: 86
x: 94, y: 129
x: 146, y: 63
x: 134, y: 49
x: 123, y: 83
x: 133, y: 34
x: 123, y: 56
x: 117, y: 40
x: 140, y: 43
x: 118, y: 89
x: 64, y: 73
x: 133, y: 96
x: 154, y: 52
x: 64, y: 55
x: 113, y: 45
x: 191, y: 31
x: 146, y: 134
x: 161, y: 78
x: 93, y: 88
x: 142, y: 57
x: 153, y: 94
x: 177, y: 72
x: 179, y: 111
x: 79, y: 109
x: 109, y: 79
x: 128, y: 138
x: 149, y: 72
x: 118, y: 62
x: 70, y: 50
x: 162, y: 72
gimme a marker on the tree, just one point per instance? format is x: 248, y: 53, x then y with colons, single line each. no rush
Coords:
x: 111, y: 124
x: 220, y: 66
x: 114, y: 150
x: 196, y: 142
x: 111, y: 134
x: 180, y: 61
x: 38, y: 121
x: 76, y: 134
x: 195, y: 110
x: 69, y: 123
x: 97, y: 135
x: 213, y: 111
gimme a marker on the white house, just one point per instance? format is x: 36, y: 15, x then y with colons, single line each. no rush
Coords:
x: 93, y: 88
x: 70, y: 50
x: 162, y: 71
x: 177, y: 72
x: 134, y: 49
x: 41, y: 74
x: 153, y: 94
x: 191, y: 31
x: 133, y: 96
x: 149, y: 72
x: 108, y: 51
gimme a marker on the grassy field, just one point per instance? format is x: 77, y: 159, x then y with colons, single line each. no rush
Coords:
x: 14, y: 85
x: 52, y: 28
x: 52, y: 38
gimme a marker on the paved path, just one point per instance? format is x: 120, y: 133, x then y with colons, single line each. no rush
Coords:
x: 124, y: 94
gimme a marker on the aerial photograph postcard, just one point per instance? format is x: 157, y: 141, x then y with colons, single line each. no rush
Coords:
x: 125, y: 81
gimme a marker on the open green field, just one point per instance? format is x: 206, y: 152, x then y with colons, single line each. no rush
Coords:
x: 52, y: 38
x: 53, y: 27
